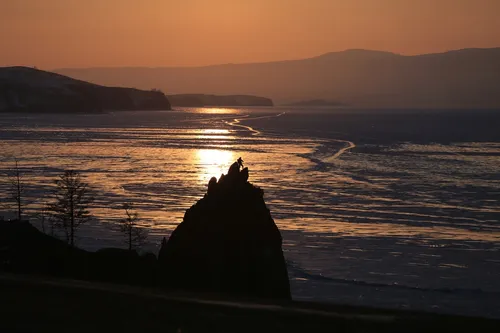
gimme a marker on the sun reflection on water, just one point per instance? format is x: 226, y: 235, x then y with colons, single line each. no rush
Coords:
x: 214, y: 131
x: 212, y: 163
x: 214, y: 110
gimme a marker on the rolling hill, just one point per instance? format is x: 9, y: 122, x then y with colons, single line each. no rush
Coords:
x: 24, y: 89
x: 468, y: 78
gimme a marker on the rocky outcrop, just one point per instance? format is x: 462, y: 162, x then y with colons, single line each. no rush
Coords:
x: 201, y: 100
x: 228, y: 243
x: 25, y: 89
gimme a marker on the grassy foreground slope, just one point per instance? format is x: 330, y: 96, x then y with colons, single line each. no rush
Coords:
x: 34, y: 304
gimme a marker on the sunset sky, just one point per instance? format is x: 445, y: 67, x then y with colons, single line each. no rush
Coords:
x: 93, y: 33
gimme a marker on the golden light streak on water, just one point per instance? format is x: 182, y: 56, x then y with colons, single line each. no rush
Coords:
x: 213, y: 162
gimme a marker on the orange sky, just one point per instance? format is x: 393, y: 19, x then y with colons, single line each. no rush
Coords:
x: 88, y: 33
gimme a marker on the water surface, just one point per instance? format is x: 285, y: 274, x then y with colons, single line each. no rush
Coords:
x: 380, y: 208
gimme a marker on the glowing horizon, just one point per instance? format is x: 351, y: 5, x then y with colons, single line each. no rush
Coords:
x: 69, y: 33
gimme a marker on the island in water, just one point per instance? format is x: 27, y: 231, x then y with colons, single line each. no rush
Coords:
x: 203, y: 100
x: 25, y: 89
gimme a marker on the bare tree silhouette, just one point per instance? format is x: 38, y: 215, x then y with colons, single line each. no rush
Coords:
x: 135, y: 235
x: 70, y: 208
x: 17, y: 189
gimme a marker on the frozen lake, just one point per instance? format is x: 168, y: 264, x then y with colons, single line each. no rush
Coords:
x: 381, y: 208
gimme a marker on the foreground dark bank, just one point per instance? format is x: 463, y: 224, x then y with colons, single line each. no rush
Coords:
x: 24, y: 89
x: 222, y: 270
x: 35, y: 304
x: 227, y: 244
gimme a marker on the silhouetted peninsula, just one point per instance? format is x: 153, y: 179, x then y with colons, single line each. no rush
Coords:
x: 24, y: 89
x: 201, y: 100
x: 228, y: 243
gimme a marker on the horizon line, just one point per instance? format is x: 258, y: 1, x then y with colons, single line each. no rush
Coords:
x: 284, y: 60
x: 256, y: 63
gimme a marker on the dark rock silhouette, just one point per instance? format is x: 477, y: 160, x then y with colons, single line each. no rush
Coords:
x: 212, y: 185
x: 162, y: 253
x: 245, y: 174
x: 228, y: 243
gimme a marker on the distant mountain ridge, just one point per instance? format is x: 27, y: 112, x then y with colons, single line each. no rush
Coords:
x: 468, y: 78
x: 24, y: 89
